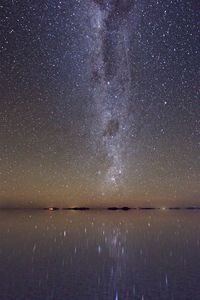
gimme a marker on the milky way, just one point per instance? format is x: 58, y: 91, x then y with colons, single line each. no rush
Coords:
x: 99, y: 103
x: 111, y: 79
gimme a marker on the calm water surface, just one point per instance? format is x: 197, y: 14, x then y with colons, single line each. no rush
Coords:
x: 99, y: 255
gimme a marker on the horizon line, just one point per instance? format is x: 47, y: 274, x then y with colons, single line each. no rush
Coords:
x: 114, y: 208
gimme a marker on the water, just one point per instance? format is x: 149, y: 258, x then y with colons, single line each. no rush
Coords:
x: 99, y: 255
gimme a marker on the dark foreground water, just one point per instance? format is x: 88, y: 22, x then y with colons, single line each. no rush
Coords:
x: 99, y: 255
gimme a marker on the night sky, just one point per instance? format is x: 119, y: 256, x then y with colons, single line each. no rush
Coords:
x: 99, y: 103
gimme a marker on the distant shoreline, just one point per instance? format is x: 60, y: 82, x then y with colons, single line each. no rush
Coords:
x: 110, y: 208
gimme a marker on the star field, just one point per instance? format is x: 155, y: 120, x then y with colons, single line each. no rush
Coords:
x: 99, y: 103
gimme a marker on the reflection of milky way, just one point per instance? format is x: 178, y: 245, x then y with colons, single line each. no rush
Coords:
x: 116, y: 244
x: 110, y: 76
